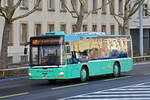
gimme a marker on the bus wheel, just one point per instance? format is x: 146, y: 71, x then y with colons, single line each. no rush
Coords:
x: 51, y: 81
x: 83, y: 74
x: 116, y: 71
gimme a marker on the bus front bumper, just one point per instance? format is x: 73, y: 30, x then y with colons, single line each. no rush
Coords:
x: 49, y: 73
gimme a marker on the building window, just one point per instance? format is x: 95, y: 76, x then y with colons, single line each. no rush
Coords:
x: 39, y: 6
x: 10, y: 36
x: 7, y: 2
x: 51, y: 5
x: 103, y: 6
x: 10, y: 59
x: 24, y: 4
x: 63, y: 27
x: 84, y: 28
x: 62, y: 6
x: 112, y: 29
x: 120, y: 30
x: 24, y: 59
x: 94, y: 6
x: 145, y: 10
x: 37, y: 29
x: 120, y: 7
x: 112, y: 7
x: 24, y: 33
x: 51, y: 27
x: 74, y: 28
x: 94, y: 28
x: 104, y: 28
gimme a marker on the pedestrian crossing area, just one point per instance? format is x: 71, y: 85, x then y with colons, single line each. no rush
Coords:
x: 133, y: 92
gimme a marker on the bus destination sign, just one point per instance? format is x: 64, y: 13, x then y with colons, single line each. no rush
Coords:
x: 47, y: 41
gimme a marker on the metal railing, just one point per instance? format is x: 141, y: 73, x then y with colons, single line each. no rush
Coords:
x: 141, y: 59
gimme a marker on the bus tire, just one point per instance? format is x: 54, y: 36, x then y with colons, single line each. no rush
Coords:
x: 84, y: 74
x: 116, y: 70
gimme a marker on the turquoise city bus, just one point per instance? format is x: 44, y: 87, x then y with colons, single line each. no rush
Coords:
x: 56, y: 55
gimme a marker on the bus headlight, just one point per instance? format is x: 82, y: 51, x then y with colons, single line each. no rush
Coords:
x: 61, y: 73
x: 29, y: 74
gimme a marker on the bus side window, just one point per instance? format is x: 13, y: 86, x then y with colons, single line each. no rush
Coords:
x: 68, y: 49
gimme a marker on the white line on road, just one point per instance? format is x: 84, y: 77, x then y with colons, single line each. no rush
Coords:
x: 116, y: 99
x: 124, y: 92
x: 118, y: 95
x: 146, y: 86
x: 132, y: 89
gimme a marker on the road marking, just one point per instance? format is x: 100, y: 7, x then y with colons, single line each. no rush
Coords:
x: 132, y: 89
x: 132, y: 92
x: 143, y: 86
x: 116, y: 78
x: 61, y: 87
x: 108, y: 95
x: 123, y: 92
x: 13, y: 95
x: 116, y: 99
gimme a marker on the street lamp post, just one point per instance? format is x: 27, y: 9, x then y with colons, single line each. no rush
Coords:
x: 141, y: 30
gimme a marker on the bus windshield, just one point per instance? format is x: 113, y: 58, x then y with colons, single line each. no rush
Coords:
x: 47, y: 55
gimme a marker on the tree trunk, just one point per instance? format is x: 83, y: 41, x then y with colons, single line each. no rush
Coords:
x: 4, y: 47
x: 79, y: 24
x: 125, y: 28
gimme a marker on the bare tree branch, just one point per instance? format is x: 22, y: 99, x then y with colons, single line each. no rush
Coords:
x: 13, y: 8
x: 112, y: 10
x: 118, y: 15
x: 2, y: 10
x: 127, y: 2
x: 117, y: 20
x: 81, y: 2
x: 74, y: 8
x: 136, y: 7
x: 135, y: 4
x: 17, y: 4
x: 126, y: 6
x: 114, y: 14
x: 94, y: 10
x: 28, y: 13
x: 91, y: 12
x: 68, y: 9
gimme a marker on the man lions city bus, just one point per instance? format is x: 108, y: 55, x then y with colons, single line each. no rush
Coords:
x: 56, y: 55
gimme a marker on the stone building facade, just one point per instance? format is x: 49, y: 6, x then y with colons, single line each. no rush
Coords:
x: 51, y: 16
x: 135, y: 30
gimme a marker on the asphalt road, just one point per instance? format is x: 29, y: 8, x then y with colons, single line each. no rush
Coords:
x: 131, y: 85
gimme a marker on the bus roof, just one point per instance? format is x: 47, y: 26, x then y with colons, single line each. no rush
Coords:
x: 78, y: 35
x: 55, y: 33
x: 82, y: 34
